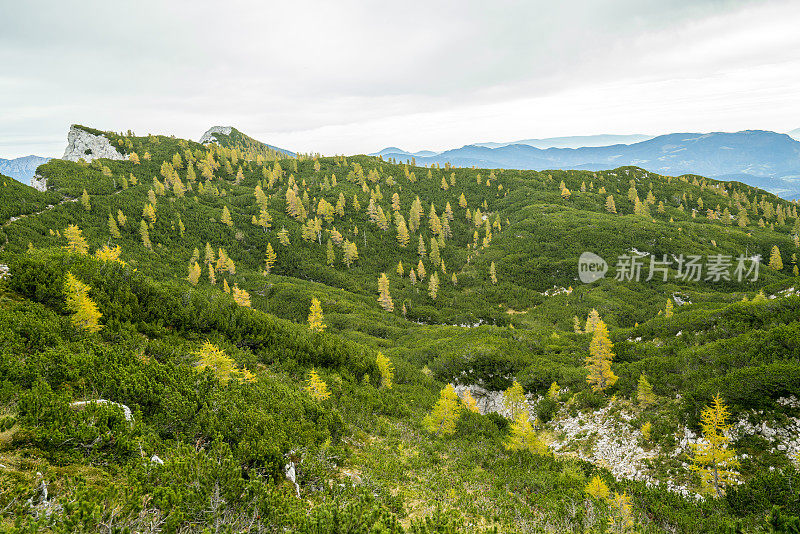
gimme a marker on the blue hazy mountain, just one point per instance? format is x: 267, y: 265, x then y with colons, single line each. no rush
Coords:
x: 760, y: 158
x: 22, y: 169
x: 574, y: 141
x: 795, y: 133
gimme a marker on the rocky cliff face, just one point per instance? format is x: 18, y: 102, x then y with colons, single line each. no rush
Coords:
x: 39, y: 182
x: 82, y: 144
x: 209, y: 138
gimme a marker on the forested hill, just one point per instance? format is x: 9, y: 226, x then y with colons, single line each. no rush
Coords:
x: 257, y: 311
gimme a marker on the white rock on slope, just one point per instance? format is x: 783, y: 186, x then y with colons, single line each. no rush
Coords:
x: 209, y: 138
x: 82, y: 144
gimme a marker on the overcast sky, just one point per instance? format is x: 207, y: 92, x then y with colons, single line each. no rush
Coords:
x: 354, y: 76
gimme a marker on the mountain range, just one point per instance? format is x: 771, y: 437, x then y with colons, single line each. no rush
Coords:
x: 760, y: 158
x: 21, y: 169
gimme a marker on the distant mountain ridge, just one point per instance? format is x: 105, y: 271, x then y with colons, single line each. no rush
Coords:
x: 757, y: 157
x: 22, y: 169
x: 574, y: 141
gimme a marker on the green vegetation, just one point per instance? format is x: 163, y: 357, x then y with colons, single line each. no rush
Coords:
x: 268, y: 319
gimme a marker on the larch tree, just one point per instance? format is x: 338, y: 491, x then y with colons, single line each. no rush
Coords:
x: 434, y: 254
x: 611, y: 207
x: 598, y: 362
x: 591, y: 321
x: 350, y: 253
x: 241, y: 297
x: 75, y: 240
x: 315, y: 318
x: 493, y: 273
x: 523, y: 437
x: 316, y: 387
x: 421, y: 270
x: 775, y: 260
x: 87, y: 205
x: 514, y: 401
x: 621, y: 520
x: 433, y: 285
x: 444, y: 416
x: 386, y: 370
x: 107, y: 253
x: 283, y: 237
x: 223, y: 367
x: 469, y: 402
x: 330, y: 254
x: 194, y: 274
x: 145, y: 234
x: 644, y: 392
x: 400, y: 270
x: 226, y: 217
x: 714, y: 460
x: 212, y: 277
x: 85, y: 314
x: 669, y: 309
x: 402, y: 229
x: 384, y: 299
x: 597, y: 488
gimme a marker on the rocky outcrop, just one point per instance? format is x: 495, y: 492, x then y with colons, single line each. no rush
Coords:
x: 82, y: 144
x: 125, y: 410
x: 39, y: 182
x: 208, y: 137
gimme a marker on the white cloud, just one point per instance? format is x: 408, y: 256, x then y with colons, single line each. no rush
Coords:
x: 355, y: 76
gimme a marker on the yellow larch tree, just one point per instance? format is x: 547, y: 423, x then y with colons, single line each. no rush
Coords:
x: 113, y: 229
x: 493, y: 273
x: 386, y: 370
x: 444, y: 416
x: 644, y: 392
x: 316, y: 387
x: 621, y: 520
x: 218, y: 362
x: 85, y: 314
x: 270, y: 258
x: 714, y: 460
x: 194, y: 273
x: 315, y: 318
x: 384, y: 299
x: 523, y: 436
x: 668, y: 310
x: 591, y: 321
x: 598, y: 362
x: 597, y: 488
x: 433, y: 285
x: 85, y: 201
x: 241, y: 297
x: 514, y: 401
x: 226, y: 217
x: 107, y: 253
x: 75, y: 240
x: 469, y: 401
x: 775, y: 260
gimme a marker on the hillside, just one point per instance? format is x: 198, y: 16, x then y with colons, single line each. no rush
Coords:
x: 229, y: 244
x: 229, y: 137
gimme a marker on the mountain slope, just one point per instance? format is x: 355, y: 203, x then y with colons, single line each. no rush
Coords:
x: 229, y: 137
x: 504, y: 310
x: 22, y: 169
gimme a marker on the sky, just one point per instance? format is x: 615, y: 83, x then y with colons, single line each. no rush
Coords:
x: 355, y: 76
